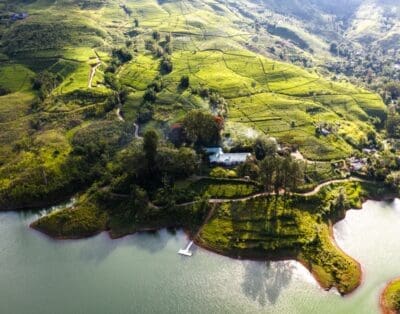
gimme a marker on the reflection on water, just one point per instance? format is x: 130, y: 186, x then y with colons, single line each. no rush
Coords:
x: 264, y: 283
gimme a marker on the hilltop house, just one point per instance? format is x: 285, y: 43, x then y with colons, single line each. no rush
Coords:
x: 218, y: 157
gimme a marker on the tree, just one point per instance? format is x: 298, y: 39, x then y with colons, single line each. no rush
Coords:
x: 122, y: 54
x: 393, y: 179
x: 264, y: 146
x: 45, y: 82
x: 156, y: 36
x: 168, y: 48
x: 268, y: 170
x: 249, y: 169
x: 111, y: 80
x: 393, y: 124
x: 295, y: 174
x: 176, y: 163
x: 166, y: 65
x: 393, y: 89
x: 201, y: 128
x: 278, y: 173
x: 185, y: 82
x: 341, y: 201
x: 136, y: 22
x: 333, y: 48
x: 150, y: 95
x: 150, y: 145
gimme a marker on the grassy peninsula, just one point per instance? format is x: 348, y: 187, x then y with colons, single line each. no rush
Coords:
x: 390, y: 298
x: 257, y: 227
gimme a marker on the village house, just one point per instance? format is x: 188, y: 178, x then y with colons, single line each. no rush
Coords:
x: 19, y: 16
x: 357, y: 164
x: 218, y: 157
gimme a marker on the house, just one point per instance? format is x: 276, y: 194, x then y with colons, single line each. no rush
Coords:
x: 213, y: 150
x: 357, y: 164
x: 325, y: 132
x: 218, y: 157
x: 19, y: 16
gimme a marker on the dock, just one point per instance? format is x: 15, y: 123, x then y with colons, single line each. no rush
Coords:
x: 186, y: 251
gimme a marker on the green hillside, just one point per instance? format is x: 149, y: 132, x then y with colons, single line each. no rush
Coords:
x: 71, y: 48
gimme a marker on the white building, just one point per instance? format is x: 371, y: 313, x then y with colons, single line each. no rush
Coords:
x: 218, y: 157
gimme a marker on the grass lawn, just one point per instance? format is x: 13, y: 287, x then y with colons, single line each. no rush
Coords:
x: 224, y: 188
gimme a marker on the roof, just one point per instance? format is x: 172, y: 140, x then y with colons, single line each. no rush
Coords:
x: 228, y: 159
x: 213, y: 150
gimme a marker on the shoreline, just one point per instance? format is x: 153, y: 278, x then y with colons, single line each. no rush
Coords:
x: 382, y: 304
x: 280, y: 256
x: 283, y: 257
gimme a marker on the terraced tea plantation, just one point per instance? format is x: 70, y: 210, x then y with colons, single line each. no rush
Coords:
x: 205, y: 41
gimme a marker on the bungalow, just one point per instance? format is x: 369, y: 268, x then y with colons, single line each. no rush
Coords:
x: 218, y: 157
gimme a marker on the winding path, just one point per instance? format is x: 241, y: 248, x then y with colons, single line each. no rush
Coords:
x: 313, y: 192
x: 137, y: 131
x: 93, y: 73
x: 121, y: 118
x: 119, y: 115
x: 320, y: 186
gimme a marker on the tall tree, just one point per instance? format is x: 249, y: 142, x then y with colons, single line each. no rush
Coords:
x: 264, y: 146
x: 150, y: 145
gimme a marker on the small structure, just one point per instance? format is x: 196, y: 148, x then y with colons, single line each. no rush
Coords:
x: 357, y: 164
x: 186, y: 251
x: 218, y: 157
x: 18, y: 16
x: 369, y: 151
x: 325, y: 132
x: 213, y: 150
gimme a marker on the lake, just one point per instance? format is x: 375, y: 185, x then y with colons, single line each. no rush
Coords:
x: 143, y: 273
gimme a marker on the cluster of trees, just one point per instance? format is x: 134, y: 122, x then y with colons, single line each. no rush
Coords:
x: 45, y: 82
x: 393, y: 90
x: 393, y: 123
x: 119, y: 57
x: 201, y: 128
x: 160, y: 48
x: 93, y: 149
x: 380, y: 166
x: 274, y: 172
x: 218, y: 103
x: 151, y: 165
x: 373, y: 67
x: 145, y: 112
x: 122, y: 55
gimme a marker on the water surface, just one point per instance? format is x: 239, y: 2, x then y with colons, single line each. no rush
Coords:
x: 143, y: 273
